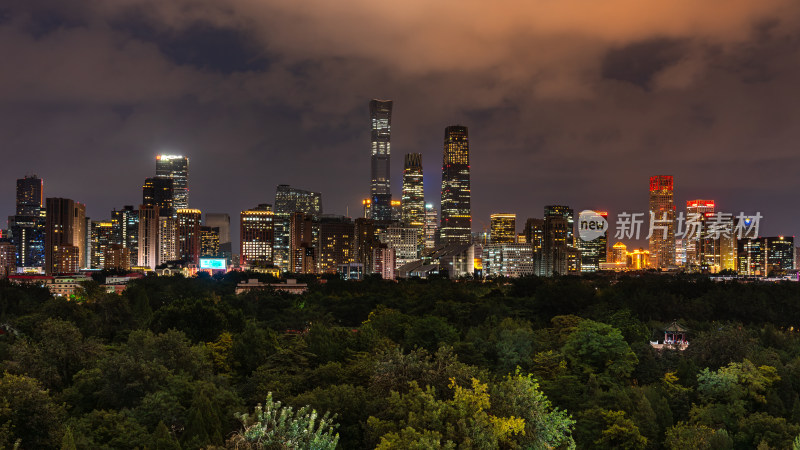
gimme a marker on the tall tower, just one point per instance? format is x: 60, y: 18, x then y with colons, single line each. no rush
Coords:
x: 380, y: 112
x: 662, y: 241
x: 594, y: 252
x: 289, y: 200
x: 413, y: 192
x: 27, y: 226
x: 157, y: 191
x: 149, y: 243
x: 29, y: 196
x: 177, y: 168
x: 456, y: 225
x: 189, y: 234
x: 61, y: 253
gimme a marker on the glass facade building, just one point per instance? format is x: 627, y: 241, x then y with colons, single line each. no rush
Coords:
x: 456, y: 221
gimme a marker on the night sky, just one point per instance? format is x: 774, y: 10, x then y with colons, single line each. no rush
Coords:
x: 575, y: 102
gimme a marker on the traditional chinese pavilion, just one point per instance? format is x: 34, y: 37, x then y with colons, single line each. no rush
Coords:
x: 674, y: 338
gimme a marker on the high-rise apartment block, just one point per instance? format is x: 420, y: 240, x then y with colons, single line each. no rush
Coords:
x: 662, y: 209
x: 456, y: 224
x: 380, y: 112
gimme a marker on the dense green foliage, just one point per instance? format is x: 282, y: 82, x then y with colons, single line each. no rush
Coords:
x: 528, y: 363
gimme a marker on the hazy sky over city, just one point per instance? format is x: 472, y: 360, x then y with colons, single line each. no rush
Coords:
x: 575, y: 102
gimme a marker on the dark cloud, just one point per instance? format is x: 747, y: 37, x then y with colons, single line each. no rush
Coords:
x: 567, y: 102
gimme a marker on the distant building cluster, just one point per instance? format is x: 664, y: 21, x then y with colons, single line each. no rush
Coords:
x: 392, y: 238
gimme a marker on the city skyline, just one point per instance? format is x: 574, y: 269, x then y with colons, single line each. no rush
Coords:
x: 582, y: 115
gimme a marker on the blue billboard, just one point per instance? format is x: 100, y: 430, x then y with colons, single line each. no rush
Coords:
x: 213, y: 263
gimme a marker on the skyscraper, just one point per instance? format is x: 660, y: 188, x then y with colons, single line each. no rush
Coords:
x: 189, y: 234
x: 380, y: 112
x: 456, y: 222
x: 289, y: 200
x: 209, y: 242
x: 534, y: 233
x: 157, y: 191
x: 301, y: 239
x: 29, y: 196
x: 61, y: 253
x: 80, y: 233
x: 149, y: 243
x: 126, y: 231
x: 594, y: 252
x: 662, y: 207
x: 257, y: 236
x: 177, y: 168
x: 503, y: 228
x: 413, y: 202
x: 27, y: 226
x: 334, y: 244
x: 557, y: 234
x: 431, y: 225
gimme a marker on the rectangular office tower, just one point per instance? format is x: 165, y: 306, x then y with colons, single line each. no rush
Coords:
x: 256, y: 236
x: 158, y: 191
x: 456, y: 225
x: 595, y: 251
x: 662, y: 207
x: 413, y: 202
x: 27, y: 226
x: 380, y: 113
x: 189, y: 235
x: 177, y: 168
x: 289, y: 200
x: 61, y: 252
x: 503, y: 228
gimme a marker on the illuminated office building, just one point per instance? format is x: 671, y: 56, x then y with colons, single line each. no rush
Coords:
x: 167, y: 239
x: 503, y: 228
x: 431, y: 226
x: 639, y: 259
x: 148, y: 236
x: 209, y: 242
x: 80, y: 233
x: 413, y: 193
x: 289, y: 200
x: 301, y: 243
x: 27, y: 225
x: 662, y: 241
x: 189, y: 234
x: 380, y: 112
x: 397, y: 210
x: 456, y: 224
x: 102, y: 236
x: 223, y: 222
x: 177, y: 168
x: 534, y: 233
x: 29, y: 196
x: 778, y: 255
x: 619, y: 253
x: 751, y: 257
x: 334, y: 244
x: 365, y: 241
x: 117, y: 257
x: 157, y: 191
x: 508, y: 259
x: 256, y: 236
x: 594, y: 252
x: 697, y: 257
x: 554, y: 254
x: 61, y: 253
x: 8, y: 258
x: 404, y: 240
x: 126, y: 231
